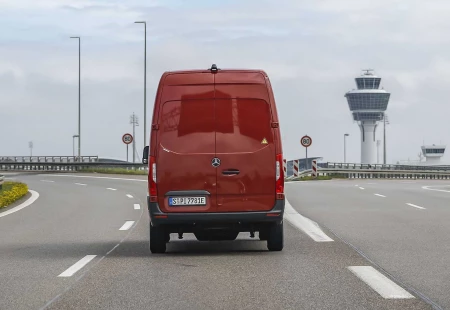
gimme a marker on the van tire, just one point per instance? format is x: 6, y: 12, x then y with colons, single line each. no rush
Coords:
x: 275, y: 241
x: 263, y: 234
x: 158, y: 238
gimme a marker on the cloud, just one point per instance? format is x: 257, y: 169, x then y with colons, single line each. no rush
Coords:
x: 312, y: 51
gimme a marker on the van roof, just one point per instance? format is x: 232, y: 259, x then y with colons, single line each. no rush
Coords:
x: 220, y: 70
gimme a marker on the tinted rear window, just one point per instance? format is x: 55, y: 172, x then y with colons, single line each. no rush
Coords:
x: 242, y: 124
x: 188, y: 126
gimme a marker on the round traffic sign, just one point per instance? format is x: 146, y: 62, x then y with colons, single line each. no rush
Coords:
x: 306, y: 141
x: 127, y: 138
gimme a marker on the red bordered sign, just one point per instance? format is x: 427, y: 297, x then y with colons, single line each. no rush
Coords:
x: 306, y: 141
x: 127, y: 138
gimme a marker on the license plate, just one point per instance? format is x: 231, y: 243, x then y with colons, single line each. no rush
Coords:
x: 187, y: 201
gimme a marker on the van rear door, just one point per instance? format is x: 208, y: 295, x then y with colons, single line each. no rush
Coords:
x: 186, y: 144
x: 244, y: 143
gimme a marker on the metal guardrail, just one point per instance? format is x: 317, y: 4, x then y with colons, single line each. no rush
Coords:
x: 64, y: 166
x: 46, y: 159
x: 378, y: 174
x: 383, y: 167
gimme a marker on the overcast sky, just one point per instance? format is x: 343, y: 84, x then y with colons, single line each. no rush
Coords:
x: 312, y: 51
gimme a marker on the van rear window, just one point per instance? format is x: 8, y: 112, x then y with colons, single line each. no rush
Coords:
x: 188, y: 126
x: 242, y: 125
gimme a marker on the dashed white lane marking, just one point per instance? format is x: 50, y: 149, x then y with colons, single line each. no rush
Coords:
x: 127, y: 225
x: 304, y: 224
x: 77, y: 266
x: 89, y: 177
x: 379, y: 195
x: 34, y: 196
x: 49, y: 181
x: 111, y: 189
x: 137, y: 206
x: 129, y: 196
x: 379, y: 282
x: 415, y: 206
x: 361, y: 187
x: 434, y: 189
x: 82, y: 184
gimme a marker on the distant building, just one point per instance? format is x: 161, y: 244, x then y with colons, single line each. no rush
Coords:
x: 368, y: 104
x: 433, y: 153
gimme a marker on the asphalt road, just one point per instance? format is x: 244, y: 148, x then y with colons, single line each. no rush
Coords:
x: 83, y: 244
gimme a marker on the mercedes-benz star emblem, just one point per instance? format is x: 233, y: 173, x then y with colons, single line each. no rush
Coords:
x: 215, y: 162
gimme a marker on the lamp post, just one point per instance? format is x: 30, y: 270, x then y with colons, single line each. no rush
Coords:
x: 73, y: 147
x: 145, y: 80
x: 345, y: 148
x: 79, y: 95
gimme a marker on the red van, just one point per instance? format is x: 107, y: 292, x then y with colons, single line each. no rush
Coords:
x: 215, y: 158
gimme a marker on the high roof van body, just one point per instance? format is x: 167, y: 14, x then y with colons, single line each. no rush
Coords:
x: 215, y: 158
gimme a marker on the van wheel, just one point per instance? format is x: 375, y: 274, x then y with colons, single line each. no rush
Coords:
x: 264, y: 234
x: 158, y: 238
x: 275, y: 240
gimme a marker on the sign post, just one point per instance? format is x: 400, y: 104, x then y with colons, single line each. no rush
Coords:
x: 127, y: 139
x: 306, y: 142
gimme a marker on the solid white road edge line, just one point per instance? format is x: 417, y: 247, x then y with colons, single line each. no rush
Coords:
x: 415, y: 206
x: 127, y: 225
x: 379, y: 195
x: 49, y: 181
x: 137, y: 206
x: 433, y: 189
x: 77, y: 266
x: 129, y: 196
x: 111, y: 189
x: 82, y: 184
x: 89, y: 177
x: 379, y: 282
x: 305, y: 224
x: 29, y: 201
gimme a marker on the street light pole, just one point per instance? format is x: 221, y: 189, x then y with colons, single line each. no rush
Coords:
x: 345, y: 148
x: 135, y: 122
x: 145, y: 80
x: 79, y: 95
x: 73, y: 146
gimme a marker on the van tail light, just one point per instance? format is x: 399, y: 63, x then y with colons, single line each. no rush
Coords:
x: 153, y: 191
x: 279, y: 183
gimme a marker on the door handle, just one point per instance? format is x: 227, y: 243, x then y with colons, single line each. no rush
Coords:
x: 230, y: 172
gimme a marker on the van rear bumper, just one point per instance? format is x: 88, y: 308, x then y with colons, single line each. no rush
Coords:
x: 158, y: 217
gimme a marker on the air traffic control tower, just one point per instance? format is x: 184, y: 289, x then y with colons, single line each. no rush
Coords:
x: 368, y: 104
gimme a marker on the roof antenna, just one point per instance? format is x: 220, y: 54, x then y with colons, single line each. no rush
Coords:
x: 214, y: 68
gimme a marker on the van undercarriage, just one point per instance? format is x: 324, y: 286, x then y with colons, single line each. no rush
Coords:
x: 213, y: 226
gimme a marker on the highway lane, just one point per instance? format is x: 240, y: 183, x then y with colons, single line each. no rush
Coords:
x: 381, y: 218
x: 71, y: 221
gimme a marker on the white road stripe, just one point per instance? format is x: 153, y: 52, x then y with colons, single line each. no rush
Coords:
x: 77, y: 266
x: 29, y: 201
x: 127, y: 225
x: 47, y: 181
x: 415, y: 206
x: 80, y: 184
x: 129, y: 196
x: 111, y: 189
x: 137, y: 206
x: 380, y: 283
x: 304, y: 224
x: 437, y: 190
x: 380, y: 195
x: 361, y: 187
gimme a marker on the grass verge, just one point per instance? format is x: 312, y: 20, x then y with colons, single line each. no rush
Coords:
x: 12, y: 191
x: 114, y: 171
